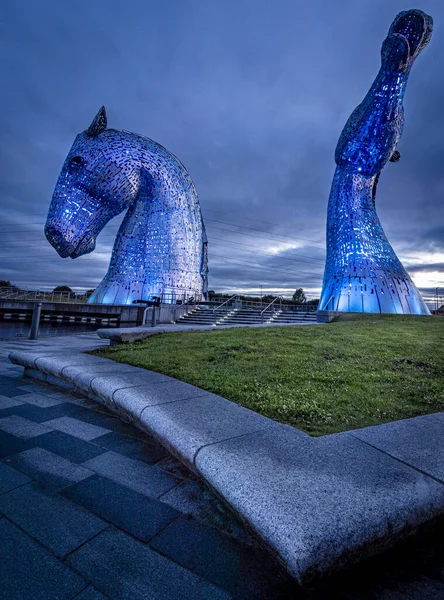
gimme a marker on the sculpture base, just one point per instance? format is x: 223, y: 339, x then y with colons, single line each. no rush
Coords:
x: 387, y: 295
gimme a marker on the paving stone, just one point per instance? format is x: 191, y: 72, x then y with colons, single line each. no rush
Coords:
x: 102, y: 417
x: 10, y: 479
x: 319, y: 503
x: 90, y: 594
x: 9, y: 402
x: 150, y: 453
x: 126, y: 569
x: 49, y: 469
x: 54, y: 521
x: 138, y: 476
x: 11, y: 444
x: 10, y: 388
x: 418, y: 442
x: 139, y: 515
x: 192, y: 498
x: 134, y: 400
x: 40, y: 400
x: 72, y: 448
x: 40, y: 415
x: 21, y: 427
x: 28, y: 571
x: 188, y: 425
x: 248, y: 573
x: 80, y: 429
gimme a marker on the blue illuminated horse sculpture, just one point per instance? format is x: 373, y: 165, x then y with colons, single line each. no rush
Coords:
x: 161, y: 246
x: 362, y: 272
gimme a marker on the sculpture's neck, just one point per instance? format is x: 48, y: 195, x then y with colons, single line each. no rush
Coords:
x: 373, y: 130
x: 354, y: 227
x: 165, y: 204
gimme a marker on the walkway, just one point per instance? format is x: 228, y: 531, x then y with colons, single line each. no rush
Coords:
x: 91, y: 508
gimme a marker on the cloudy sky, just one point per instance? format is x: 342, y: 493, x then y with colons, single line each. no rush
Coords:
x: 251, y: 95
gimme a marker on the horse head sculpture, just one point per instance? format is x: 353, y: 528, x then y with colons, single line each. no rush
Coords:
x: 362, y: 272
x: 161, y: 246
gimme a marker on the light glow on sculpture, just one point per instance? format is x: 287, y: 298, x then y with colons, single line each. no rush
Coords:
x: 161, y: 246
x: 362, y: 271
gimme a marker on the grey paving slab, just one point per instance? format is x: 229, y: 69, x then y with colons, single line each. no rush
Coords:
x: 188, y: 425
x: 22, y: 427
x: 140, y: 477
x: 68, y: 446
x: 47, y: 468
x: 28, y: 571
x: 58, y: 524
x: 147, y: 451
x: 194, y: 499
x: 6, y: 402
x: 418, y: 442
x: 319, y: 503
x: 10, y: 388
x: 246, y: 572
x: 40, y: 400
x: 11, y: 444
x: 80, y: 429
x: 139, y: 515
x: 126, y: 569
x: 90, y: 594
x: 10, y: 478
x: 133, y: 400
x: 40, y: 415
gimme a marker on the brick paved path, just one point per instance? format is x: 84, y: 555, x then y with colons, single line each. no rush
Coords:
x: 91, y: 508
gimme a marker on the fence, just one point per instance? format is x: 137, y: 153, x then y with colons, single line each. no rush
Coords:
x: 31, y: 296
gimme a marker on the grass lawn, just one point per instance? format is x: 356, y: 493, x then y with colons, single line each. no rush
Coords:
x: 357, y: 371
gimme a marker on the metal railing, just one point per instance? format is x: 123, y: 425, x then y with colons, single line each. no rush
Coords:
x: 16, y: 295
x: 271, y: 304
x: 226, y: 302
x: 167, y: 313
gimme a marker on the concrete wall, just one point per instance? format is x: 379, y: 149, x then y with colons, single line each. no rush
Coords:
x: 325, y: 316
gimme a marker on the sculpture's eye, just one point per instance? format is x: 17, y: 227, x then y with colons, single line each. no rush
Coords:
x: 76, y: 162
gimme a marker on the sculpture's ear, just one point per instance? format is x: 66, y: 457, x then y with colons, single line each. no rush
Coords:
x: 99, y: 123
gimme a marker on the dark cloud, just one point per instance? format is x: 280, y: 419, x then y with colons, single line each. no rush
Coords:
x: 250, y: 95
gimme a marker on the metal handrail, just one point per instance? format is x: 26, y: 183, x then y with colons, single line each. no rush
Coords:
x: 226, y: 301
x: 268, y: 306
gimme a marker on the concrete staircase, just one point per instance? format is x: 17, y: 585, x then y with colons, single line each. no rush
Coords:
x: 246, y: 316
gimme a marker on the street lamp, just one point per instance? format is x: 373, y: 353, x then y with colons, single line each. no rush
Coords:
x: 261, y: 296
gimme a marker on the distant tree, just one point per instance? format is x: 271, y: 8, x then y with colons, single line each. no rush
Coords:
x: 7, y: 284
x: 299, y: 296
x: 89, y: 292
x: 211, y: 294
x: 269, y: 298
x: 314, y: 302
x: 62, y: 288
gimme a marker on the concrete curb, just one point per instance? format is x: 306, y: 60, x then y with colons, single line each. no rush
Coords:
x: 319, y: 503
x: 129, y: 335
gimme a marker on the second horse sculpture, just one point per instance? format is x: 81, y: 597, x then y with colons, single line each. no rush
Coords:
x: 362, y: 272
x: 161, y: 247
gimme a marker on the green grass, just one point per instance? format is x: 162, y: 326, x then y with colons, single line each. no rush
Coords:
x: 356, y: 371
